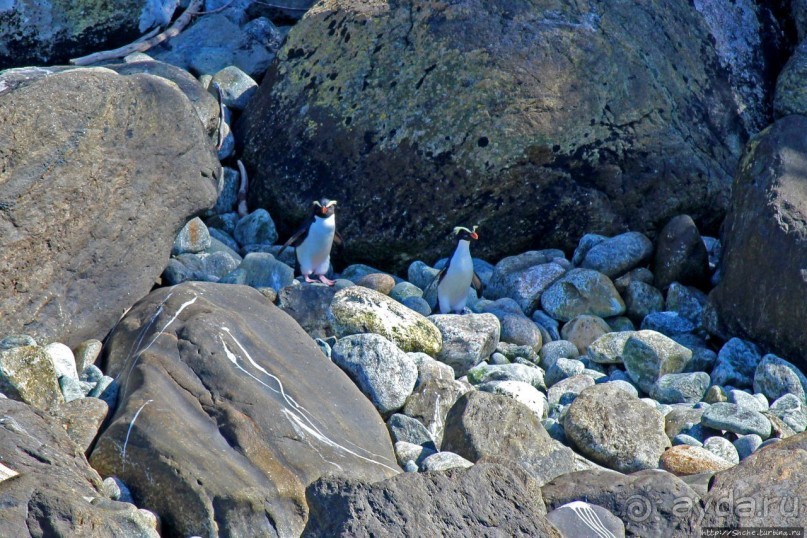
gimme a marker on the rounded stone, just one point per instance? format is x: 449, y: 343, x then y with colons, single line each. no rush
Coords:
x: 582, y: 291
x: 685, y: 460
x: 583, y: 330
x: 380, y: 282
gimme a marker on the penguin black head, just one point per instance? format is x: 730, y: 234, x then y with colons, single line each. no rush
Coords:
x: 463, y: 233
x: 323, y: 207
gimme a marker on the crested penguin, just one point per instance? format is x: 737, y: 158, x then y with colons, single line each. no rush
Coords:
x: 458, y: 275
x: 314, y: 239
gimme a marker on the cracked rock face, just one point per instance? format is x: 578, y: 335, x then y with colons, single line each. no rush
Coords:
x: 537, y: 127
x: 228, y: 411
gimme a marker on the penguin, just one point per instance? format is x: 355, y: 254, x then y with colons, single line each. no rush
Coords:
x: 314, y: 239
x: 458, y: 275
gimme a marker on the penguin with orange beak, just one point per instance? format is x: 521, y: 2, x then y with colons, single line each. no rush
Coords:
x: 458, y: 275
x: 314, y: 239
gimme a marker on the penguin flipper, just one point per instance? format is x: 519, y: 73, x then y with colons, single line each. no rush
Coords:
x: 298, y: 237
x: 337, y: 239
x: 476, y: 282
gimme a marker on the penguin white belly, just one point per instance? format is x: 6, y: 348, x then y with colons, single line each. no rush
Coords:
x: 452, y: 292
x: 314, y: 253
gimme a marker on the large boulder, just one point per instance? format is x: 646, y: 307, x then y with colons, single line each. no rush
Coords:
x: 226, y: 399
x: 760, y: 294
x: 484, y: 500
x: 99, y: 173
x: 34, y: 32
x: 49, y: 489
x: 566, y: 111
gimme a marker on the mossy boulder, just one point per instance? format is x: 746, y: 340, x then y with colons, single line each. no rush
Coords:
x: 358, y: 310
x: 537, y: 120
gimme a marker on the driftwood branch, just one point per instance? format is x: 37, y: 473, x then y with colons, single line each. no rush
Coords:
x: 242, y: 191
x: 144, y: 44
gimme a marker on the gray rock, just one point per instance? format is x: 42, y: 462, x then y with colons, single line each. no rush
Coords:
x: 237, y: 87
x: 443, y: 461
x: 641, y: 299
x: 791, y: 410
x: 618, y: 254
x: 91, y: 374
x: 261, y: 270
x: 621, y: 323
x: 63, y: 359
x: 256, y: 228
x: 640, y: 274
x: 582, y: 291
x: 775, y: 377
x: 586, y: 243
x: 747, y: 401
x: 612, y: 428
x: 681, y: 419
x: 667, y: 323
x: 747, y: 445
x: 192, y: 238
x: 609, y: 348
x: 429, y: 368
x: 648, y: 355
x: 482, y: 424
x: 583, y: 330
x: 579, y: 518
x: 686, y: 301
x: 498, y: 359
x: 357, y: 271
x: 467, y: 340
x: 420, y: 274
x: 565, y: 391
x: 308, y: 304
x: 516, y: 328
x: 385, y: 374
x: 562, y: 369
x: 518, y: 353
x: 681, y: 254
x: 733, y: 418
x: 548, y: 324
x: 457, y: 502
x: 680, y: 388
x: 106, y: 389
x: 624, y: 384
x: 736, y: 364
x: 404, y: 290
x: 684, y: 439
x: 519, y: 391
x: 703, y: 359
x: 406, y: 452
x: 650, y: 503
x: 403, y: 428
x: 417, y: 304
x: 27, y: 374
x: 524, y: 278
x: 16, y: 340
x: 219, y: 239
x: 482, y: 373
x: 71, y: 388
x: 357, y: 310
x: 430, y: 401
x: 551, y: 351
x: 228, y: 186
x: 723, y: 448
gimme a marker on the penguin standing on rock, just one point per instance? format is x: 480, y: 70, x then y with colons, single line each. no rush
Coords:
x: 314, y: 239
x: 458, y: 275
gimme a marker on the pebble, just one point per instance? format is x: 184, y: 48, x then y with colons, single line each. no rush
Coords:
x: 420, y: 274
x: 261, y: 270
x: 641, y: 299
x: 71, y: 388
x: 625, y: 385
x: 747, y: 445
x: 715, y: 394
x: 582, y: 291
x: 467, y: 340
x: 63, y: 359
x: 410, y: 430
x: 586, y: 243
x: 565, y: 391
x: 521, y: 392
x: 87, y: 353
x: 686, y: 301
x: 684, y: 439
x: 193, y: 237
x: 256, y: 228
x: 736, y: 363
x: 647, y: 355
x: 237, y: 87
x: 380, y: 282
x: 733, y: 418
x: 547, y: 323
x: 580, y: 519
x: 443, y: 461
x: 91, y: 374
x: 403, y: 290
x: 685, y: 460
x: 667, y: 323
x: 583, y: 330
x: 523, y: 278
x: 619, y: 254
x: 551, y: 351
x: 417, y: 304
x: 482, y: 373
x: 563, y: 369
x: 722, y: 448
x: 775, y: 377
x: 791, y: 410
x: 355, y: 272
x: 516, y: 328
x: 680, y: 388
x: 16, y: 340
x: 384, y: 373
x: 746, y: 400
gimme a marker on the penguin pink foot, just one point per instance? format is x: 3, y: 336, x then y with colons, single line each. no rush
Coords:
x: 325, y: 280
x: 308, y: 279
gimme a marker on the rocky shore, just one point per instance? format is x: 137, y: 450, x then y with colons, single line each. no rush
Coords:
x: 633, y: 367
